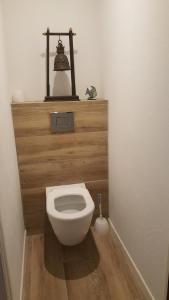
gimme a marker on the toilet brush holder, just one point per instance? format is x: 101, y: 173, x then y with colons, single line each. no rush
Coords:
x: 101, y: 225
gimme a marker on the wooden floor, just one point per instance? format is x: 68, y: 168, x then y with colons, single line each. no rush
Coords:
x: 95, y: 269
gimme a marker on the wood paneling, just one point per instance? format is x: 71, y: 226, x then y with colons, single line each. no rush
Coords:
x: 39, y: 284
x: 47, y: 159
x: 95, y: 269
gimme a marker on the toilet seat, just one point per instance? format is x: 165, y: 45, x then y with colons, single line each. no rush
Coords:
x: 70, y: 211
x: 60, y: 192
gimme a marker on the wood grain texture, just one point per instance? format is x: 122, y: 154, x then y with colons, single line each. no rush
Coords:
x: 39, y: 284
x: 47, y: 159
x: 95, y: 270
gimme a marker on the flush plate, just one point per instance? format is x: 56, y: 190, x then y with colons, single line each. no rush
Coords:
x: 62, y: 122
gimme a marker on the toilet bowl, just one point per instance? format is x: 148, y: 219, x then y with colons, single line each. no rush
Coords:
x: 70, y: 210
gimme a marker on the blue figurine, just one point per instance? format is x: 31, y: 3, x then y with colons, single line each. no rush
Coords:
x: 92, y: 93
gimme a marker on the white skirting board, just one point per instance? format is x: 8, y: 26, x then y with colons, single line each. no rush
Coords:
x: 135, y: 271
x: 23, y: 267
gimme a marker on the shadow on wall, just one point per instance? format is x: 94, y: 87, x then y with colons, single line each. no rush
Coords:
x: 70, y: 262
x: 61, y: 86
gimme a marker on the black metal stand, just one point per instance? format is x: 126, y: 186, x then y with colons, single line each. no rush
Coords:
x: 55, y: 98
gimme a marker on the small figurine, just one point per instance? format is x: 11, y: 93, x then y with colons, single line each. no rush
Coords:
x: 92, y: 93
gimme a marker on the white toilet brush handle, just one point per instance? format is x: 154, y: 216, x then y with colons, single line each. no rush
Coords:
x: 100, y: 205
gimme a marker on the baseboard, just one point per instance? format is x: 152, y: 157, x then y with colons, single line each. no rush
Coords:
x: 131, y: 264
x: 23, y: 266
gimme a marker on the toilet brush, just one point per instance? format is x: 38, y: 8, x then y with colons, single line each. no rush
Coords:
x: 101, y: 225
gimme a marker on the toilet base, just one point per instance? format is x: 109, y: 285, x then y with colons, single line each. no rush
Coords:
x: 71, y: 243
x: 71, y: 233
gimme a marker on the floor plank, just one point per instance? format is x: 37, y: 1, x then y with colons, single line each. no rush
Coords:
x: 115, y: 268
x: 39, y: 284
x: 95, y: 269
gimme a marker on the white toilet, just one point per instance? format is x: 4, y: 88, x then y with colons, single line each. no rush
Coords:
x: 70, y: 210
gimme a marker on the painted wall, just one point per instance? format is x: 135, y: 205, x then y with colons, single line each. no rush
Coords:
x: 10, y: 203
x: 25, y: 21
x: 136, y: 81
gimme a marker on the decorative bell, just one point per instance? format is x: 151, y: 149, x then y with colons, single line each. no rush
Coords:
x: 61, y: 62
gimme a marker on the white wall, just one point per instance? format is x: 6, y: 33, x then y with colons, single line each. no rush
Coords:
x: 25, y: 21
x: 10, y: 203
x: 136, y: 82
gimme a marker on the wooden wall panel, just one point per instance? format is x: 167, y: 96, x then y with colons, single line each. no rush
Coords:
x: 47, y: 159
